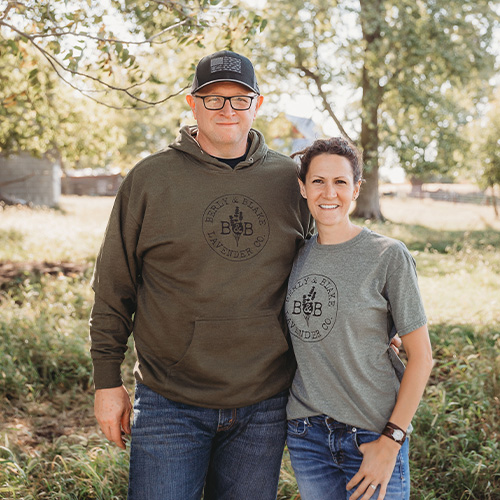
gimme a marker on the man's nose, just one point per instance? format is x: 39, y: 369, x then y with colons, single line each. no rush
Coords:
x: 227, y: 109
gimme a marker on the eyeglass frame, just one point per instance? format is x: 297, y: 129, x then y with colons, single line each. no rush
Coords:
x: 203, y: 97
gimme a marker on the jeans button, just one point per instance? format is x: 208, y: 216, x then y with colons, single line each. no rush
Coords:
x: 354, y: 429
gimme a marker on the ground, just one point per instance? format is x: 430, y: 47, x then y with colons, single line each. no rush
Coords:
x: 11, y: 272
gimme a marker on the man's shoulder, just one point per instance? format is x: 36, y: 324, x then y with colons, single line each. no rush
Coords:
x: 154, y: 161
x: 280, y: 160
x: 149, y: 172
x: 281, y: 156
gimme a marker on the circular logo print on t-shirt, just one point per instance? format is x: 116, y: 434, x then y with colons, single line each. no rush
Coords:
x: 236, y: 227
x: 311, y: 307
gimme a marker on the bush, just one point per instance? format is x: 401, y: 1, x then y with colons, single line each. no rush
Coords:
x: 44, y: 337
x: 456, y: 453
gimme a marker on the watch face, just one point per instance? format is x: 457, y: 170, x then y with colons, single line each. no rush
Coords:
x: 398, y: 435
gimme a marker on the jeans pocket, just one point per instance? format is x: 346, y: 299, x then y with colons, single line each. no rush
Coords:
x: 362, y: 436
x: 297, y: 427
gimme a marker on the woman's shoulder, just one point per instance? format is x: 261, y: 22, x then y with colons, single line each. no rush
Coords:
x: 386, y: 242
x: 389, y: 248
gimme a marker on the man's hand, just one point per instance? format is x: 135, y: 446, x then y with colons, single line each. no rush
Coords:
x: 396, y: 344
x: 112, y: 409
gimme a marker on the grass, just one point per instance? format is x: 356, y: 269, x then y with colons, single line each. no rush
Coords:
x: 51, y: 448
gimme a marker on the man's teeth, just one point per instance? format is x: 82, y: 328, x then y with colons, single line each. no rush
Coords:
x: 328, y: 206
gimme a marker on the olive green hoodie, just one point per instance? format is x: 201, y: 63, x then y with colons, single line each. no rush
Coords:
x: 195, y: 261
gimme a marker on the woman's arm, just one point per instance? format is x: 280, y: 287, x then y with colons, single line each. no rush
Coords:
x: 379, y: 457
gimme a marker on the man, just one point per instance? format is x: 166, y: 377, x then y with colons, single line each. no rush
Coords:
x: 195, y: 260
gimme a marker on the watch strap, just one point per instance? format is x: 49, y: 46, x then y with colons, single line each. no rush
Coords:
x: 394, y: 432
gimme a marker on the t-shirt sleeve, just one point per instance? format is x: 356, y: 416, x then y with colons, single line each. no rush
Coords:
x: 403, y: 294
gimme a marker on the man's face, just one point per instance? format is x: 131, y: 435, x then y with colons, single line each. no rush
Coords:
x: 223, y: 133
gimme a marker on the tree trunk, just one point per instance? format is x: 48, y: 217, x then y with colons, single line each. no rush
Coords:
x: 416, y: 187
x: 368, y: 204
x: 494, y: 200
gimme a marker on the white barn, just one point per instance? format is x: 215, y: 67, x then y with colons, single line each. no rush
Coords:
x: 24, y: 178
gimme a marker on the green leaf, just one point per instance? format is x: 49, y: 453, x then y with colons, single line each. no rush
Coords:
x: 124, y: 55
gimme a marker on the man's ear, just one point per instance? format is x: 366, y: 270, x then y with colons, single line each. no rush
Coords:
x: 190, y: 100
x: 260, y: 100
x: 302, y: 189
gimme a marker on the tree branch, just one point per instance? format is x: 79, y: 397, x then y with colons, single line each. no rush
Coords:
x: 317, y: 80
x: 108, y: 40
x: 10, y: 5
x: 54, y: 62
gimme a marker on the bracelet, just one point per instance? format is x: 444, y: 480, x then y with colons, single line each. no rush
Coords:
x: 394, y: 432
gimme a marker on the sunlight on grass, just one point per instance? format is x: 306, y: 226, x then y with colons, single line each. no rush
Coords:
x: 72, y: 233
x: 439, y: 214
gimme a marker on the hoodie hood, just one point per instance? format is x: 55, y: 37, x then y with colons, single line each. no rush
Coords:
x: 187, y: 144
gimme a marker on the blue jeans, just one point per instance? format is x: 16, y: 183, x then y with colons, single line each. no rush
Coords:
x: 325, y: 456
x: 179, y: 450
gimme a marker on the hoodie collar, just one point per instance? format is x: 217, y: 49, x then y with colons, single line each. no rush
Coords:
x: 187, y: 143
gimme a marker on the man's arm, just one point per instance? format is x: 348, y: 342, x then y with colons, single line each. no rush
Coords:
x: 112, y: 410
x: 111, y: 320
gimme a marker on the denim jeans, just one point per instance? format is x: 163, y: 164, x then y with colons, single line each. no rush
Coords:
x: 178, y: 450
x: 325, y: 456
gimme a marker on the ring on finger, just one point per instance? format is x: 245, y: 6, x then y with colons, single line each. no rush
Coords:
x: 373, y: 486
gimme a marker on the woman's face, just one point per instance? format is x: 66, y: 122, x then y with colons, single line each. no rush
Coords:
x: 329, y: 189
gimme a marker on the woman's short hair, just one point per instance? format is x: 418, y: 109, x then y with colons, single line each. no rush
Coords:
x: 333, y: 146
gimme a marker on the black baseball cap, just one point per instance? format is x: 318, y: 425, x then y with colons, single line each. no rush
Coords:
x: 225, y: 66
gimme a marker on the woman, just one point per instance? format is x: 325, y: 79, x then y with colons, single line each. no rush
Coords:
x: 350, y: 291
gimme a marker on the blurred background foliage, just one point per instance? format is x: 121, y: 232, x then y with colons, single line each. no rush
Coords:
x: 413, y: 82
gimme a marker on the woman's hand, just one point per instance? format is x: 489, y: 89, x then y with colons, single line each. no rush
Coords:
x: 379, y: 459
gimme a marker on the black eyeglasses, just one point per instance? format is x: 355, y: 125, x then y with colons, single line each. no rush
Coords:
x: 238, y: 102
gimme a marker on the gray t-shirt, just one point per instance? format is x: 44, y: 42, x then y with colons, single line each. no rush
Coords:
x: 344, y: 303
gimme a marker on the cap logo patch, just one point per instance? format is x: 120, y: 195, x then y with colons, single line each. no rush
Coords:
x: 225, y: 63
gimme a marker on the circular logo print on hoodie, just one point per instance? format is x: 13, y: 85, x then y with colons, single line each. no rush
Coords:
x: 236, y: 227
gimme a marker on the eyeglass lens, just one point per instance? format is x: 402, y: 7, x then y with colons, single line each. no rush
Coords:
x: 216, y: 102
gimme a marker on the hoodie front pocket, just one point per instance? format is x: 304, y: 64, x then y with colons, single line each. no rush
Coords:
x: 231, y: 351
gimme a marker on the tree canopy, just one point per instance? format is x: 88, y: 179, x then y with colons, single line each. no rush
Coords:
x: 407, y: 65
x: 404, y: 76
x: 123, y: 54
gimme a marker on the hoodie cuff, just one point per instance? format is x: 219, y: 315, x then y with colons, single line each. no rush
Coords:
x: 107, y: 374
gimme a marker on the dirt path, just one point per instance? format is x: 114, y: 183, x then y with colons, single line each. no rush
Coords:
x: 16, y: 271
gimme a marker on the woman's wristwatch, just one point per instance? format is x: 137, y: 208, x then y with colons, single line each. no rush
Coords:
x: 394, y: 432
